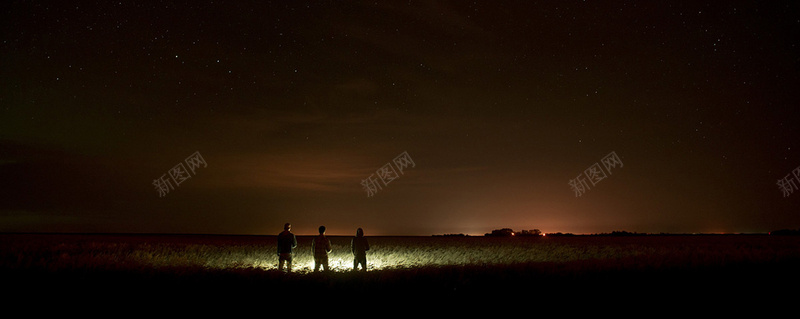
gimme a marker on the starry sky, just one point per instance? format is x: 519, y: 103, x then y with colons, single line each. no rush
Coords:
x: 293, y: 105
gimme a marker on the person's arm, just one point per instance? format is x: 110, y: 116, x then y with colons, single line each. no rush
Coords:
x: 328, y: 245
x: 366, y: 244
x: 294, y: 241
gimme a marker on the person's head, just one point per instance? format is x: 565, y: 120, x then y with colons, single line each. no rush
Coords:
x: 321, y: 229
x: 287, y: 226
x: 360, y: 232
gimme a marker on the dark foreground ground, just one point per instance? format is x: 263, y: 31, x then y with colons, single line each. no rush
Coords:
x: 738, y: 282
x: 744, y: 285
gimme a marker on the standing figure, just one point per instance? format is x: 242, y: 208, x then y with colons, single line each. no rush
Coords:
x: 359, y: 247
x: 286, y: 242
x: 321, y: 246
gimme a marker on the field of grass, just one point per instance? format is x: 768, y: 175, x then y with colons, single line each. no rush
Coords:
x: 434, y: 265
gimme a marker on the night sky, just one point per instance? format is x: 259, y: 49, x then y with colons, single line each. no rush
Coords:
x: 292, y: 105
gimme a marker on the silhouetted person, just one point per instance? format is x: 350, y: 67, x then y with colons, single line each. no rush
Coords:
x: 286, y: 242
x: 359, y: 247
x: 321, y: 246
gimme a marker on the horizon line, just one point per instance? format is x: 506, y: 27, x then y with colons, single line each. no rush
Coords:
x: 488, y: 234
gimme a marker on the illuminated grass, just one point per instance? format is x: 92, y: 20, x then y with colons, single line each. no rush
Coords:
x: 443, y: 263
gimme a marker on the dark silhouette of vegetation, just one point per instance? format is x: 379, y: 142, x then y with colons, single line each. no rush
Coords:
x: 623, y: 233
x: 532, y: 232
x: 508, y: 232
x: 503, y: 232
x: 557, y: 234
x: 785, y: 232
